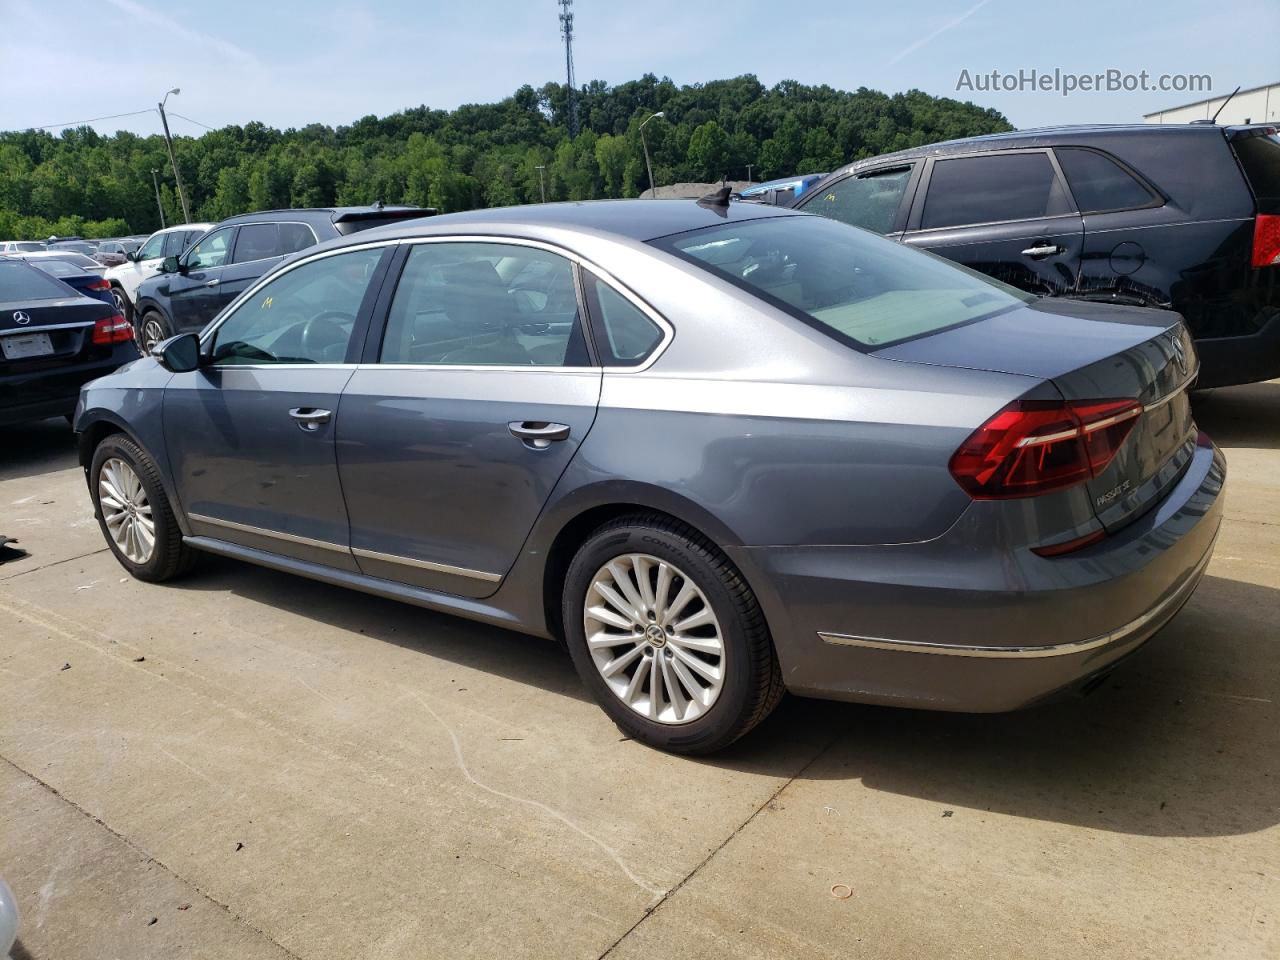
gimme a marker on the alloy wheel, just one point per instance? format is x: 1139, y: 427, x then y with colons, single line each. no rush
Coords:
x: 654, y: 638
x: 126, y: 511
x: 118, y: 298
x: 152, y: 333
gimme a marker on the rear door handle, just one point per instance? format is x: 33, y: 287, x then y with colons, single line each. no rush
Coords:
x: 310, y: 418
x: 538, y: 434
x: 212, y: 283
x: 1040, y: 252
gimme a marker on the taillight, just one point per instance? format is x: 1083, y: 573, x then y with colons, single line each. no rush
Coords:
x: 100, y: 285
x: 113, y: 329
x: 1266, y: 240
x: 1037, y: 446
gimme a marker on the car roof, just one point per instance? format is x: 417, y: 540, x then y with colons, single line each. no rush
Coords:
x: 641, y: 220
x: 327, y: 213
x: 1044, y: 136
x: 181, y: 226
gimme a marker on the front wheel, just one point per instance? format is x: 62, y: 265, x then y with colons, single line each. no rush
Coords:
x: 134, y: 513
x: 668, y: 636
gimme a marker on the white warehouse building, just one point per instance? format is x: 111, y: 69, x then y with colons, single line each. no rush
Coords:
x: 1255, y: 105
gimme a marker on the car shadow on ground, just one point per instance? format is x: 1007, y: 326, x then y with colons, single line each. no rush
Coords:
x: 29, y: 449
x: 1246, y: 416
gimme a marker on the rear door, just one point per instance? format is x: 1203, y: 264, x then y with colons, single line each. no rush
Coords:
x: 194, y: 297
x: 1006, y: 214
x: 470, y: 404
x: 258, y: 248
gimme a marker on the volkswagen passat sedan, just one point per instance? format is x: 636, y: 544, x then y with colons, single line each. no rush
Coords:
x: 722, y: 451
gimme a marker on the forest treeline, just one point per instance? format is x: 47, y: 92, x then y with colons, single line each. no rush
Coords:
x: 81, y: 182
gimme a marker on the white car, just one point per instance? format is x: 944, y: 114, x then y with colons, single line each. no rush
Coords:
x: 168, y: 242
x: 21, y: 246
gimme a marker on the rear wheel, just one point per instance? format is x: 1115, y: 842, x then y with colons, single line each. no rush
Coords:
x: 122, y: 302
x: 668, y: 636
x: 151, y: 330
x: 134, y: 513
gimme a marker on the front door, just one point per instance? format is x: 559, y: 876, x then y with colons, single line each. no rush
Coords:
x: 194, y: 297
x: 1007, y: 215
x: 451, y: 442
x: 251, y: 433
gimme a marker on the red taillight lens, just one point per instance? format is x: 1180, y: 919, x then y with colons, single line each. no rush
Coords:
x: 100, y: 285
x: 1266, y: 240
x: 115, y: 329
x: 1034, y: 446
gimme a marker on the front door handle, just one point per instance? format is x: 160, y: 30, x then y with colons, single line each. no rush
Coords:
x: 538, y: 434
x: 1039, y: 252
x: 310, y: 418
x: 212, y: 283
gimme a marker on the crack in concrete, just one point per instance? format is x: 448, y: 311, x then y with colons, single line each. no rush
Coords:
x: 150, y: 859
x: 52, y: 563
x: 654, y: 907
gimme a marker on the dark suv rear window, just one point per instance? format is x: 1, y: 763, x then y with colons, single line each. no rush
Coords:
x: 1260, y: 157
x: 989, y: 189
x: 1099, y: 183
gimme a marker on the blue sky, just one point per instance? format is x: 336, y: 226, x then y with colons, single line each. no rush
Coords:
x: 288, y: 63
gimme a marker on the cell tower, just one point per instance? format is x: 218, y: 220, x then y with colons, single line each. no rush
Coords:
x: 566, y: 31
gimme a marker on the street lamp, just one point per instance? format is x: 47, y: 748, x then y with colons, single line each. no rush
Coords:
x: 645, y: 144
x: 542, y: 183
x: 168, y: 141
x: 159, y: 205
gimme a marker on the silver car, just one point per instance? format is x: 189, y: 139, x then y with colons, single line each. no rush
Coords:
x: 722, y: 450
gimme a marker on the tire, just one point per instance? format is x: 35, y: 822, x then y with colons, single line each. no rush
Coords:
x: 122, y: 302
x: 168, y: 556
x: 151, y: 329
x: 750, y: 682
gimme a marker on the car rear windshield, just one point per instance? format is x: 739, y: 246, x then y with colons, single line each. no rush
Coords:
x: 58, y: 268
x: 20, y: 282
x: 861, y: 289
x: 1260, y: 158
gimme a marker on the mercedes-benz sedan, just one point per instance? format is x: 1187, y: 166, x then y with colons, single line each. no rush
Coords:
x: 721, y: 450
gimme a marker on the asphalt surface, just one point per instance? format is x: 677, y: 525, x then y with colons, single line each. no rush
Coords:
x: 244, y: 764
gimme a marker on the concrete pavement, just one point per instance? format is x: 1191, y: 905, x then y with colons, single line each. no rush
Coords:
x: 245, y: 764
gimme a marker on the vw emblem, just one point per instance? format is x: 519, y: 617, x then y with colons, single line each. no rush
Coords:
x: 21, y: 318
x: 1179, y: 352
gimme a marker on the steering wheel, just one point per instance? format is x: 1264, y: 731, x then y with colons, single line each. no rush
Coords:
x: 323, y: 330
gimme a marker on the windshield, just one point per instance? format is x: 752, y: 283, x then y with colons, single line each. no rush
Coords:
x: 860, y: 288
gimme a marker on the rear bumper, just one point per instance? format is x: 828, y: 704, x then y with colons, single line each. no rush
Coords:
x: 1226, y: 361
x: 964, y: 623
x: 53, y: 391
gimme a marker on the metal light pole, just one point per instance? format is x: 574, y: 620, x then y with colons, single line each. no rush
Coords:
x: 159, y: 205
x: 644, y: 143
x: 542, y: 183
x: 168, y: 140
x: 749, y: 166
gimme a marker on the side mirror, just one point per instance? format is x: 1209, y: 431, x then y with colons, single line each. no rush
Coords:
x: 170, y: 265
x: 180, y: 354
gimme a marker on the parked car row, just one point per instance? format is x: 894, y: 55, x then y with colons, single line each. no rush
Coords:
x: 1185, y: 218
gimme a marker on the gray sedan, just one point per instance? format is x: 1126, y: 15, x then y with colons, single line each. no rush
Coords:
x: 721, y: 451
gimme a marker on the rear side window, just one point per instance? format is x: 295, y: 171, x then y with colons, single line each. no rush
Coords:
x: 19, y: 282
x: 257, y: 241
x: 1260, y: 157
x: 623, y: 333
x: 295, y: 237
x: 993, y: 188
x: 1098, y: 183
x: 870, y: 201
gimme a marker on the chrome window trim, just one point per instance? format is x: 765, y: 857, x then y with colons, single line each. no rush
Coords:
x: 1169, y: 605
x: 427, y: 565
x: 265, y: 532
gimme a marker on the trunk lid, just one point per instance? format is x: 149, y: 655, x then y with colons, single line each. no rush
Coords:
x: 1092, y: 351
x: 68, y: 323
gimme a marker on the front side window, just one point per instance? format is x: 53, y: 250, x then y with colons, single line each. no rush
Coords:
x: 305, y: 315
x: 485, y: 304
x: 1099, y: 183
x: 153, y: 249
x: 211, y: 251
x: 864, y: 290
x: 624, y: 335
x: 992, y: 188
x: 870, y: 201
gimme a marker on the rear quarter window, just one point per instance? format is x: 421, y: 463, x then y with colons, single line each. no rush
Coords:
x: 1259, y: 156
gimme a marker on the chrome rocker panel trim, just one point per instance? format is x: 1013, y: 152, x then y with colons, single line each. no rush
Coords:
x: 1165, y: 609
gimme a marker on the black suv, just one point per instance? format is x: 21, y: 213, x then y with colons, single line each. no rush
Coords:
x: 1181, y: 217
x: 192, y: 288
